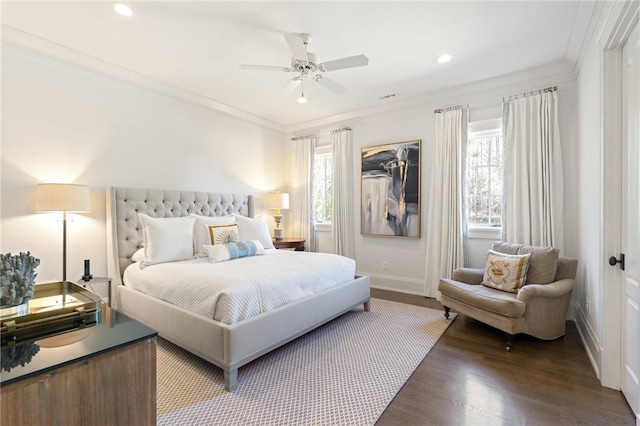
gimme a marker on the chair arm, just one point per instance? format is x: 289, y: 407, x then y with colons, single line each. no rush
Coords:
x: 468, y: 275
x: 554, y: 289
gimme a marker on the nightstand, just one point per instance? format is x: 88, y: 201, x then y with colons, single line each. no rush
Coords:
x: 297, y: 244
x: 96, y: 280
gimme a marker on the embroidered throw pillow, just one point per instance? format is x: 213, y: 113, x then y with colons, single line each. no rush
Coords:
x: 223, y: 252
x: 201, y: 231
x: 505, y: 272
x: 223, y: 234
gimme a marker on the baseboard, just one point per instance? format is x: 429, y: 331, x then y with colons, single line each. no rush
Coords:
x: 413, y: 293
x: 589, y: 339
x: 395, y: 283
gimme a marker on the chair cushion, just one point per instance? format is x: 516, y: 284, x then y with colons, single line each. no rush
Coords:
x: 505, y: 272
x: 542, y: 264
x: 481, y: 297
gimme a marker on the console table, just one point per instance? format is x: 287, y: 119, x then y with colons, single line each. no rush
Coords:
x: 89, y: 376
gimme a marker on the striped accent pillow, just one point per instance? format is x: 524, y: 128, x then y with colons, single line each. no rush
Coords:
x: 223, y: 252
x: 506, y: 272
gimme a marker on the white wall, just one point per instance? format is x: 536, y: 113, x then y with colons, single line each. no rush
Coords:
x: 61, y: 123
x: 588, y: 200
x: 405, y: 258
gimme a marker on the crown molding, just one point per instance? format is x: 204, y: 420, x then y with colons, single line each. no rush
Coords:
x: 26, y: 45
x: 477, y: 93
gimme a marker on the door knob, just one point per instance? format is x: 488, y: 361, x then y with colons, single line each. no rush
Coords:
x: 613, y: 261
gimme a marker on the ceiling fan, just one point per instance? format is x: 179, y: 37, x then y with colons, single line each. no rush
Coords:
x: 308, y: 66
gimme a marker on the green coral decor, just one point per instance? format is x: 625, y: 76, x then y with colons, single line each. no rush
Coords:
x: 17, y: 278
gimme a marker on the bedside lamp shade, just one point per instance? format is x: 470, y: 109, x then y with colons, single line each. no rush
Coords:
x: 277, y: 201
x: 56, y: 197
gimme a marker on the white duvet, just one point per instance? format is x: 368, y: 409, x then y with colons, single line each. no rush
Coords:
x: 241, y: 288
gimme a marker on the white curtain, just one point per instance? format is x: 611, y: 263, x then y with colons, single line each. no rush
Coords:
x: 446, y: 224
x: 301, y: 199
x: 342, y: 212
x: 533, y: 191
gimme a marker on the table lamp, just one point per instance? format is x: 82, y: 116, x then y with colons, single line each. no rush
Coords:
x: 56, y: 197
x: 277, y: 201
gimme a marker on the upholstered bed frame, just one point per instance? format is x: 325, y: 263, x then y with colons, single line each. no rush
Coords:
x: 227, y: 346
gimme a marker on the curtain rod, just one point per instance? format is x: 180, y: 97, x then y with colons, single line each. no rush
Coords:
x: 303, y: 137
x: 531, y: 93
x: 340, y: 130
x: 453, y: 108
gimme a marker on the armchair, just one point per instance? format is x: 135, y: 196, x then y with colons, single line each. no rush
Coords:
x: 539, y: 308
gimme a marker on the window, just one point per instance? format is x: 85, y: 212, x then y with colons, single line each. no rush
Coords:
x: 484, y: 175
x: 322, y: 185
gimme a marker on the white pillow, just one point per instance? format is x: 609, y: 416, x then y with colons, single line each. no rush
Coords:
x: 201, y: 230
x: 223, y: 252
x: 138, y: 256
x: 254, y: 229
x: 166, y: 239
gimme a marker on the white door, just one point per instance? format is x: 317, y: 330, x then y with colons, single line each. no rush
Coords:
x: 630, y: 349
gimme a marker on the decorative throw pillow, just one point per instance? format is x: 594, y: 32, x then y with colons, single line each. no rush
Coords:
x: 223, y: 252
x: 505, y: 272
x: 166, y: 239
x: 542, y: 264
x: 254, y: 228
x: 223, y: 234
x: 201, y: 231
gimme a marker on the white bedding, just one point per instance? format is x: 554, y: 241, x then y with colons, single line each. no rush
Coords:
x: 242, y: 288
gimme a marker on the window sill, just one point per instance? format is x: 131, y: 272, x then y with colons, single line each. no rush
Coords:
x: 484, y: 233
x: 323, y: 227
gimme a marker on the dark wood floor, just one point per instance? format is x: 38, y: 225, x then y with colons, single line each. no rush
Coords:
x: 469, y: 379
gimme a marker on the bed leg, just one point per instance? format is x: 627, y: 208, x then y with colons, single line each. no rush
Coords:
x: 367, y: 305
x: 230, y: 379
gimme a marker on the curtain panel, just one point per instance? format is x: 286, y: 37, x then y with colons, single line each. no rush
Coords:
x: 302, y: 217
x: 534, y: 182
x: 446, y: 224
x: 342, y: 209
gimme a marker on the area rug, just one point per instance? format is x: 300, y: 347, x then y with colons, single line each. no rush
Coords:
x: 343, y: 373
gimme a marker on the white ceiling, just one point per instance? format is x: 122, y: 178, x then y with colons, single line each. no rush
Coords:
x: 198, y: 46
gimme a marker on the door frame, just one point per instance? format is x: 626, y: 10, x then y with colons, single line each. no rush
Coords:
x: 621, y: 18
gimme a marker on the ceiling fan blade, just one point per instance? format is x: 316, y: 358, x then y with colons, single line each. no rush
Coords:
x: 350, y: 62
x: 265, y: 68
x: 330, y: 84
x: 296, y: 46
x: 291, y: 85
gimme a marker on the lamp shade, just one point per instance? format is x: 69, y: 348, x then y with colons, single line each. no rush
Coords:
x: 277, y: 200
x: 57, y: 197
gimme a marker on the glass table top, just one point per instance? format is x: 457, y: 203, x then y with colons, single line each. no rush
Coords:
x: 25, y: 359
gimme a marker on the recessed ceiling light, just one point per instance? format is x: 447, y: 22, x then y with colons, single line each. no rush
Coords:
x: 444, y: 58
x: 122, y: 9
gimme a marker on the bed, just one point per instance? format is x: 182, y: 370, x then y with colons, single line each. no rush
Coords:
x: 228, y: 346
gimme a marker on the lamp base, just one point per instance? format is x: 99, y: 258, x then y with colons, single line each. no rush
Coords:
x: 277, y: 234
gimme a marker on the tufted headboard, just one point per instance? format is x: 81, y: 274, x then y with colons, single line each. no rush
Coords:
x: 124, y: 234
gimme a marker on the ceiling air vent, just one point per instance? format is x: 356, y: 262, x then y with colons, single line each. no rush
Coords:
x: 390, y: 95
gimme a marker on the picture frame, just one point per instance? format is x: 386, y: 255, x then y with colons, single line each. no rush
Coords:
x: 390, y: 188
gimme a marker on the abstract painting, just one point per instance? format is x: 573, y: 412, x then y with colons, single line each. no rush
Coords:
x: 390, y: 189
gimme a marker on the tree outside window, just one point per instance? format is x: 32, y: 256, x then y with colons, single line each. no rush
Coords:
x: 322, y: 188
x: 484, y: 176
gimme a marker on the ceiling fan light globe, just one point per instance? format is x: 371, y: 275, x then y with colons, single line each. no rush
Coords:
x: 302, y: 99
x: 122, y: 9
